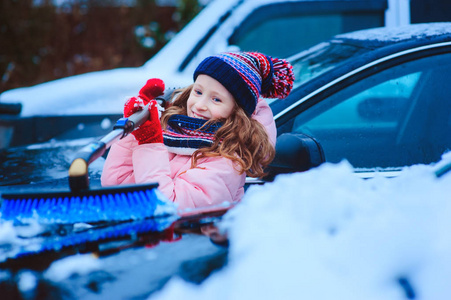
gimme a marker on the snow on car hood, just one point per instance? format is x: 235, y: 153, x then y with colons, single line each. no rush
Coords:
x: 326, y: 234
x: 90, y: 93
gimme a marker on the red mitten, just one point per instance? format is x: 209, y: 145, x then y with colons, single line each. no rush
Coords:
x: 150, y: 131
x: 153, y: 88
x: 133, y: 105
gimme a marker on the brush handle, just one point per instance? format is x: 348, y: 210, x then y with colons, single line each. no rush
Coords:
x: 443, y: 170
x: 78, y: 171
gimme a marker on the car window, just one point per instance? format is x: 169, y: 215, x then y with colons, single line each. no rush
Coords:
x: 263, y: 35
x: 376, y: 107
x: 323, y: 57
x: 286, y: 28
x: 387, y: 119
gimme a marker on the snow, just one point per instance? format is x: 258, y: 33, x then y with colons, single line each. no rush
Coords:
x: 80, y: 264
x: 27, y: 281
x: 101, y: 92
x: 321, y: 234
x: 12, y: 238
x: 400, y: 33
x: 327, y: 234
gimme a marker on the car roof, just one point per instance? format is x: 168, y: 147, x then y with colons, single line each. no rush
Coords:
x: 390, y: 35
x: 394, y: 39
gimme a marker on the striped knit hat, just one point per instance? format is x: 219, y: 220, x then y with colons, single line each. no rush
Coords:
x: 247, y: 75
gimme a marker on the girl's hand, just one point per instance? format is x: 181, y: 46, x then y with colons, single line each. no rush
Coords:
x: 150, y: 131
x: 153, y: 88
x: 133, y: 105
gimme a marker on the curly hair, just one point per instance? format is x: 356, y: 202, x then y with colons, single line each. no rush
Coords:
x: 241, y: 139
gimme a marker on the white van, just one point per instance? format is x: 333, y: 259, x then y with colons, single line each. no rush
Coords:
x: 275, y: 27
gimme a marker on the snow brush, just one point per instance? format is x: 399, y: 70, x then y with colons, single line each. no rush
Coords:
x: 82, y: 204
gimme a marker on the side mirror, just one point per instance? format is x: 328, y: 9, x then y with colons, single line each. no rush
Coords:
x: 10, y: 108
x: 295, y: 152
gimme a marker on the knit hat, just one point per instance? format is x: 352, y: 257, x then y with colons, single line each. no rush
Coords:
x: 247, y: 75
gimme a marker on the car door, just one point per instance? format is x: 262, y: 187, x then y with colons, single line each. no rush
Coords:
x: 392, y: 114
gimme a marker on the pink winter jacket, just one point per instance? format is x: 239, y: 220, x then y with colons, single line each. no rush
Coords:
x: 213, y: 181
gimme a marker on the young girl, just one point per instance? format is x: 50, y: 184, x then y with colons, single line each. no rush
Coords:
x: 216, y: 132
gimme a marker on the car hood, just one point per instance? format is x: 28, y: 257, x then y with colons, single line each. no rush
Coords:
x: 102, y: 92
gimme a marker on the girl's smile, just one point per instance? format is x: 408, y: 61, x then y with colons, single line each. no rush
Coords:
x: 209, y: 99
x: 198, y: 116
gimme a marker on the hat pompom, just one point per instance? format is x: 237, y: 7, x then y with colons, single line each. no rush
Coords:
x: 282, y: 79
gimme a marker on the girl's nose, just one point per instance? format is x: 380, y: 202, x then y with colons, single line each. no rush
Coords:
x: 201, y: 104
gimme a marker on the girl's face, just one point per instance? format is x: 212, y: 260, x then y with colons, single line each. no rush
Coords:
x: 209, y: 99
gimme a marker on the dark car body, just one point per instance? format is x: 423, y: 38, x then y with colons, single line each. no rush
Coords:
x: 379, y: 98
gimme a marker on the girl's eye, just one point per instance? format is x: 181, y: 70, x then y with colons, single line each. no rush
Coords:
x: 197, y: 92
x: 217, y: 100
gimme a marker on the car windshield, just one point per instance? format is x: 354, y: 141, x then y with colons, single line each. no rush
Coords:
x: 317, y: 60
x: 43, y: 166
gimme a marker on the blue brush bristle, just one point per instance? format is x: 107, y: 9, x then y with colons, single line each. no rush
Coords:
x: 115, y: 204
x: 98, y: 235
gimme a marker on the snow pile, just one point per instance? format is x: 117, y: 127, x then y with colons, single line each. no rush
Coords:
x: 13, y: 238
x: 80, y: 264
x: 326, y: 234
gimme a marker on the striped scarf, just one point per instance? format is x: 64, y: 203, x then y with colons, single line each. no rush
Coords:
x: 184, y: 136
